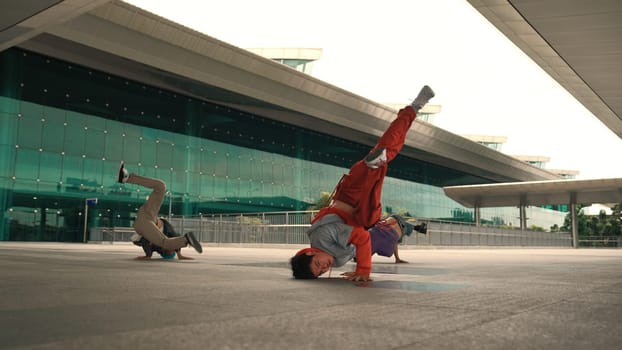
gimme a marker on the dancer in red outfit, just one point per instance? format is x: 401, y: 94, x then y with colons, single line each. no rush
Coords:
x: 339, y: 231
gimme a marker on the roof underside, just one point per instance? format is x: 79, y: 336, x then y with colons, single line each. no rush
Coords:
x: 538, y: 193
x: 577, y: 42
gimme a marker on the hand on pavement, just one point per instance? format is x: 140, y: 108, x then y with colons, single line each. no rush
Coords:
x: 352, y: 276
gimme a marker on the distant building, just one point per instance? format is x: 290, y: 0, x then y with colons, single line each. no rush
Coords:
x: 566, y: 174
x: 537, y: 161
x: 494, y: 142
x: 301, y: 59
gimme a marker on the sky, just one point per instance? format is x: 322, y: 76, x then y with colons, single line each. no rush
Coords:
x: 386, y: 50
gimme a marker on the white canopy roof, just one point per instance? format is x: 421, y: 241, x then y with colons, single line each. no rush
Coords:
x: 538, y: 193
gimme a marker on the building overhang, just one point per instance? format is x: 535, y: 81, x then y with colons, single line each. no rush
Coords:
x: 23, y: 20
x: 535, y: 193
x: 577, y: 42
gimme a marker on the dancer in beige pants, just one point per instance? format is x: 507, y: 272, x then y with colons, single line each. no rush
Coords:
x: 147, y: 223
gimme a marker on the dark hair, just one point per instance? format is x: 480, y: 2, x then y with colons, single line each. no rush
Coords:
x: 301, y: 267
x: 146, y: 245
x: 168, y: 229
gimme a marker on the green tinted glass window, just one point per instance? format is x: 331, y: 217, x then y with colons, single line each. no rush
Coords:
x: 51, y: 167
x: 27, y: 164
x: 95, y: 142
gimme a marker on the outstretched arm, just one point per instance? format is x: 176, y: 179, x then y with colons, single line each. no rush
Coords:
x: 397, y: 256
x: 360, y: 238
x: 146, y: 245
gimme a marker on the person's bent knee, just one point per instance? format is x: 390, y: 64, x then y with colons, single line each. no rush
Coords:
x: 139, y: 224
x: 160, y: 186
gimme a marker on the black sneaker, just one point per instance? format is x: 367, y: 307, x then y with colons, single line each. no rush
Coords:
x: 194, y: 242
x: 422, y: 228
x: 376, y: 158
x: 123, y: 175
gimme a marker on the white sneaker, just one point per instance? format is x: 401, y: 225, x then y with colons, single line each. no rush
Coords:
x: 376, y: 158
x: 422, y: 99
x: 123, y: 174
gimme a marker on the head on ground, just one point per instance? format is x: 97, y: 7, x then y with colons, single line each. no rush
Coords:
x: 166, y: 254
x: 149, y: 248
x: 310, y: 263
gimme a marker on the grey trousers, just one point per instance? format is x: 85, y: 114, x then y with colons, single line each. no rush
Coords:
x: 147, y: 216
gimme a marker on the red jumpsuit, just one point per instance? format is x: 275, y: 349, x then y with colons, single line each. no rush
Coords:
x: 361, y: 188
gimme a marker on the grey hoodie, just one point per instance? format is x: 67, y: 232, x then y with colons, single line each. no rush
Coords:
x: 331, y: 235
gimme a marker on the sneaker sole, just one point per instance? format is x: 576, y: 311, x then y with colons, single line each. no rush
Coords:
x: 424, y: 96
x: 428, y: 92
x: 192, y: 240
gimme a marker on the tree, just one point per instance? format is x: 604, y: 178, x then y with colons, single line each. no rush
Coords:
x: 462, y: 215
x: 581, y: 222
x: 400, y: 211
x: 497, y: 221
x: 322, y: 202
x: 599, y: 225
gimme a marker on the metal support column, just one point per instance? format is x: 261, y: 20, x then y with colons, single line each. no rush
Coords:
x: 522, y: 217
x: 573, y: 220
x: 522, y: 212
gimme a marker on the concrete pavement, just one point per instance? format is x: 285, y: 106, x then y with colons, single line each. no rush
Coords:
x: 96, y: 296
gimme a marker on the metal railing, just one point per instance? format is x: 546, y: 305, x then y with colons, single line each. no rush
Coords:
x: 600, y: 241
x: 111, y: 234
x: 443, y: 233
x: 290, y: 228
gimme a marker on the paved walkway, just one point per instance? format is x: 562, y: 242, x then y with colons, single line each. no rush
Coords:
x: 94, y: 296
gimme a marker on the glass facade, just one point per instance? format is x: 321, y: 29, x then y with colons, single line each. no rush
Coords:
x: 65, y: 128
